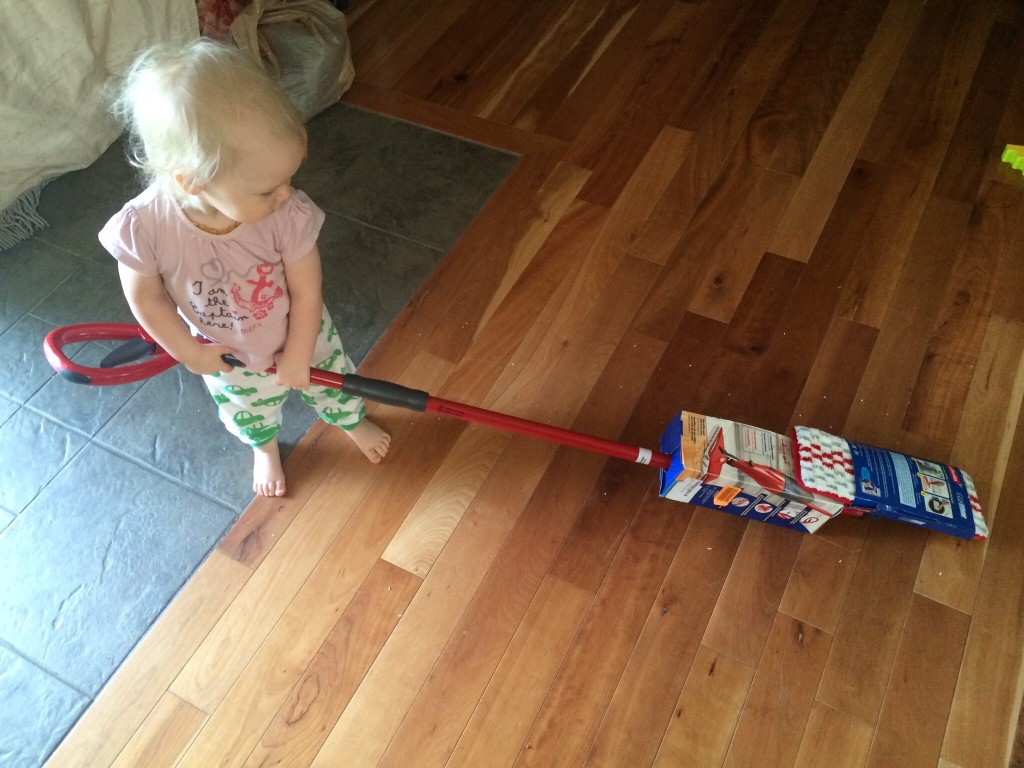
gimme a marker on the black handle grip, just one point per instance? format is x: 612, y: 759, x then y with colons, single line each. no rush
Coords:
x: 385, y: 392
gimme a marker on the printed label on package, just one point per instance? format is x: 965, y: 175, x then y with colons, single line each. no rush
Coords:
x: 916, y: 487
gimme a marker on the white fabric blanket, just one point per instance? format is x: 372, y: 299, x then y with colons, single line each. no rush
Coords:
x: 56, y: 57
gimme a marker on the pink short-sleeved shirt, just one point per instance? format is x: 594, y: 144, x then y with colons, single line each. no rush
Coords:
x: 230, y: 288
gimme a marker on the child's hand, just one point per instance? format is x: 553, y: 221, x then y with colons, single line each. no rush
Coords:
x: 205, y: 359
x: 291, y: 372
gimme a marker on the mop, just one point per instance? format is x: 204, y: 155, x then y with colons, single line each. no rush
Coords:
x: 889, y: 484
x: 798, y: 481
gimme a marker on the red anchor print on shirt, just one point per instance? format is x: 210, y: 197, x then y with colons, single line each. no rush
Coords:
x: 258, y: 303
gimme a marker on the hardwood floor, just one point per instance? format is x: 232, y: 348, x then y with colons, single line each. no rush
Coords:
x: 777, y: 211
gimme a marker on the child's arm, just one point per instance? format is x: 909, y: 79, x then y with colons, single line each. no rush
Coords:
x: 304, y: 314
x: 156, y: 313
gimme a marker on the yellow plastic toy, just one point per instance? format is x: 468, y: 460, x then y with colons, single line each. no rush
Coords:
x: 1014, y: 155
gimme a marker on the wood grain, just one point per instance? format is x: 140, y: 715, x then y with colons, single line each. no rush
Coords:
x: 822, y: 577
x: 752, y: 593
x: 165, y: 734
x: 570, y: 716
x: 501, y: 720
x: 833, y: 738
x: 314, y: 704
x: 832, y: 159
x: 980, y: 729
x: 705, y: 716
x: 781, y: 695
x: 857, y: 673
x: 632, y: 729
x: 912, y: 722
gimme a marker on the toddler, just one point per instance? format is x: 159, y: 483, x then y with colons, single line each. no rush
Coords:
x: 220, y: 239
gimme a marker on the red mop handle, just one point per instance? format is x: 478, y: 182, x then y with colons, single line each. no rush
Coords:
x: 53, y: 347
x: 417, y: 400
x: 376, y: 390
x: 552, y: 434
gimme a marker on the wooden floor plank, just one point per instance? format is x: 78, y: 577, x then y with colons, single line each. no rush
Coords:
x: 625, y: 108
x: 833, y: 738
x: 366, y: 727
x: 251, y: 690
x: 799, y: 229
x: 822, y: 577
x: 704, y: 115
x: 441, y: 507
x: 781, y: 695
x: 550, y: 205
x: 422, y: 325
x: 644, y: 190
x: 981, y: 727
x: 961, y: 173
x: 707, y: 711
x: 868, y: 291
x: 915, y: 125
x: 551, y: 72
x: 679, y: 47
x: 165, y: 734
x: 385, y: 55
x: 912, y: 722
x: 250, y: 705
x: 866, y: 641
x: 501, y: 721
x: 644, y: 700
x: 1008, y: 302
x: 552, y: 271
x: 744, y: 617
x: 709, y: 546
x: 464, y: 43
x: 981, y: 449
x: 225, y: 652
x: 568, y: 720
x: 492, y: 258
x: 263, y: 522
x: 328, y: 682
x: 516, y: 64
x: 833, y: 381
x: 892, y: 371
x: 447, y: 120
x: 449, y: 696
x: 607, y: 80
x: 595, y: 341
x: 961, y: 316
x: 733, y: 264
x: 756, y: 319
x: 793, y: 337
x: 814, y: 78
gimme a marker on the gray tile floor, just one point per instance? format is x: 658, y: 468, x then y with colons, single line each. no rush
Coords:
x: 110, y: 497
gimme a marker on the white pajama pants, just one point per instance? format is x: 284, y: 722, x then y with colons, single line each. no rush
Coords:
x: 249, y: 404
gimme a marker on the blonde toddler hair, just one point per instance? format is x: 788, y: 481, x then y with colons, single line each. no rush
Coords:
x: 186, y: 105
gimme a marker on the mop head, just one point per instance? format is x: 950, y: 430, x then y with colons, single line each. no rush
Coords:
x: 888, y: 484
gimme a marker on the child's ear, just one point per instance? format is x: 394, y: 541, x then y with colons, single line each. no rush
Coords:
x: 187, y: 184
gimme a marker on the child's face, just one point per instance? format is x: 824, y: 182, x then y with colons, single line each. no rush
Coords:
x: 258, y: 181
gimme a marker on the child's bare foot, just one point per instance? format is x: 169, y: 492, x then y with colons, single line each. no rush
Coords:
x: 371, y: 439
x: 267, y: 472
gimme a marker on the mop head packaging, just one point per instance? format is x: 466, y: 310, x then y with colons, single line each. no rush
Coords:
x: 804, y: 479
